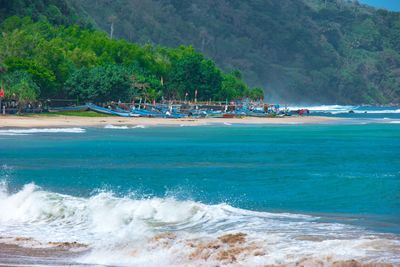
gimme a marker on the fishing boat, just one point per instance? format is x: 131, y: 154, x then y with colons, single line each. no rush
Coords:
x: 147, y: 113
x: 109, y: 111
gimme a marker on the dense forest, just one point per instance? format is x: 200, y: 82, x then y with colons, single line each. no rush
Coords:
x: 330, y: 51
x: 316, y: 51
x: 64, y: 57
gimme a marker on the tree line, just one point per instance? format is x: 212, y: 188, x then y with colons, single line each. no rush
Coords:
x: 40, y: 60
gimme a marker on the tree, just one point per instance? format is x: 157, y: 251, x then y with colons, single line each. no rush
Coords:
x: 21, y: 87
x: 86, y: 64
x: 191, y: 73
x: 256, y: 93
x: 100, y: 84
x: 233, y: 87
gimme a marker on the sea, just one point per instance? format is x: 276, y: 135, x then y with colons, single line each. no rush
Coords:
x: 209, y: 195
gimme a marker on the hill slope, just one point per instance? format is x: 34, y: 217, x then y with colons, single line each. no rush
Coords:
x: 59, y: 12
x: 300, y: 51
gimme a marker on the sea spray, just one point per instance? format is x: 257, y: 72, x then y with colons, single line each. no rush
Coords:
x: 153, y: 231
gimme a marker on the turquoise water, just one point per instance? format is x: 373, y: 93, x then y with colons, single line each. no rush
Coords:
x: 340, y: 174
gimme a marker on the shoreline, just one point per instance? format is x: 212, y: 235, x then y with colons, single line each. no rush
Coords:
x: 16, y: 255
x: 10, y: 121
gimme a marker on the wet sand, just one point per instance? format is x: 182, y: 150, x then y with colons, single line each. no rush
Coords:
x: 226, y: 250
x: 14, y: 255
x: 71, y: 121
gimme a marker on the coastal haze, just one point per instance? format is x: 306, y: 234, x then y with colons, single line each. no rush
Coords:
x: 180, y: 133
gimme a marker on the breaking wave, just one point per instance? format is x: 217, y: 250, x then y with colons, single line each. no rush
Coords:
x: 124, y: 127
x: 134, y: 231
x: 139, y: 126
x: 110, y: 126
x: 339, y: 109
x: 41, y: 130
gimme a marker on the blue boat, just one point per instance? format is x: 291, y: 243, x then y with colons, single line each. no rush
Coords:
x: 108, y: 111
x: 147, y: 113
x: 158, y: 112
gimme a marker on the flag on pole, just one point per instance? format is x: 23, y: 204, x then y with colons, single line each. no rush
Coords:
x: 2, y: 94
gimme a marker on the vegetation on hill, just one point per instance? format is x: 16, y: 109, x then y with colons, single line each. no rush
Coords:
x: 40, y: 60
x: 57, y: 12
x: 332, y: 51
x: 327, y: 51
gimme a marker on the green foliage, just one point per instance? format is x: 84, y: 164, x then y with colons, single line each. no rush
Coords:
x: 303, y: 50
x: 20, y: 86
x: 233, y: 86
x: 191, y: 72
x: 256, y: 93
x: 59, y: 12
x: 72, y: 62
x: 100, y: 84
x: 332, y: 51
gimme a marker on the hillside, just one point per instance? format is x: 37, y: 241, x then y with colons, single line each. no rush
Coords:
x: 58, y: 12
x: 328, y: 51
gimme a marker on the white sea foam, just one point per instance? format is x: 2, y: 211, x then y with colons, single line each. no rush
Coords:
x: 117, y: 127
x: 194, y: 125
x: 139, y: 126
x: 385, y: 111
x: 41, y: 130
x: 339, y: 109
x: 325, y: 108
x: 168, y: 232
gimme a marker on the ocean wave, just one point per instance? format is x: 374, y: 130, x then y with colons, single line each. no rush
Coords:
x: 117, y: 127
x: 194, y: 125
x: 139, y: 126
x: 339, y: 109
x: 41, y: 130
x: 325, y: 108
x: 385, y: 111
x: 133, y: 231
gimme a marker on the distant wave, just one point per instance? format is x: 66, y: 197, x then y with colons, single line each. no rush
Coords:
x: 325, y: 108
x: 41, y: 130
x: 124, y: 127
x: 194, y: 125
x: 339, y: 109
x: 110, y: 126
x: 165, y: 231
x: 139, y: 126
x: 384, y: 111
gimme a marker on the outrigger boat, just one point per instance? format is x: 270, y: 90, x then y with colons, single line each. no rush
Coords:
x: 170, y: 110
x: 109, y: 111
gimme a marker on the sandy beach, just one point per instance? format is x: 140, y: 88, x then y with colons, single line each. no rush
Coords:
x: 72, y: 121
x: 225, y: 250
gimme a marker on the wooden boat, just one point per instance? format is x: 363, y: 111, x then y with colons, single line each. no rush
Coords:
x: 228, y: 116
x: 108, y: 111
